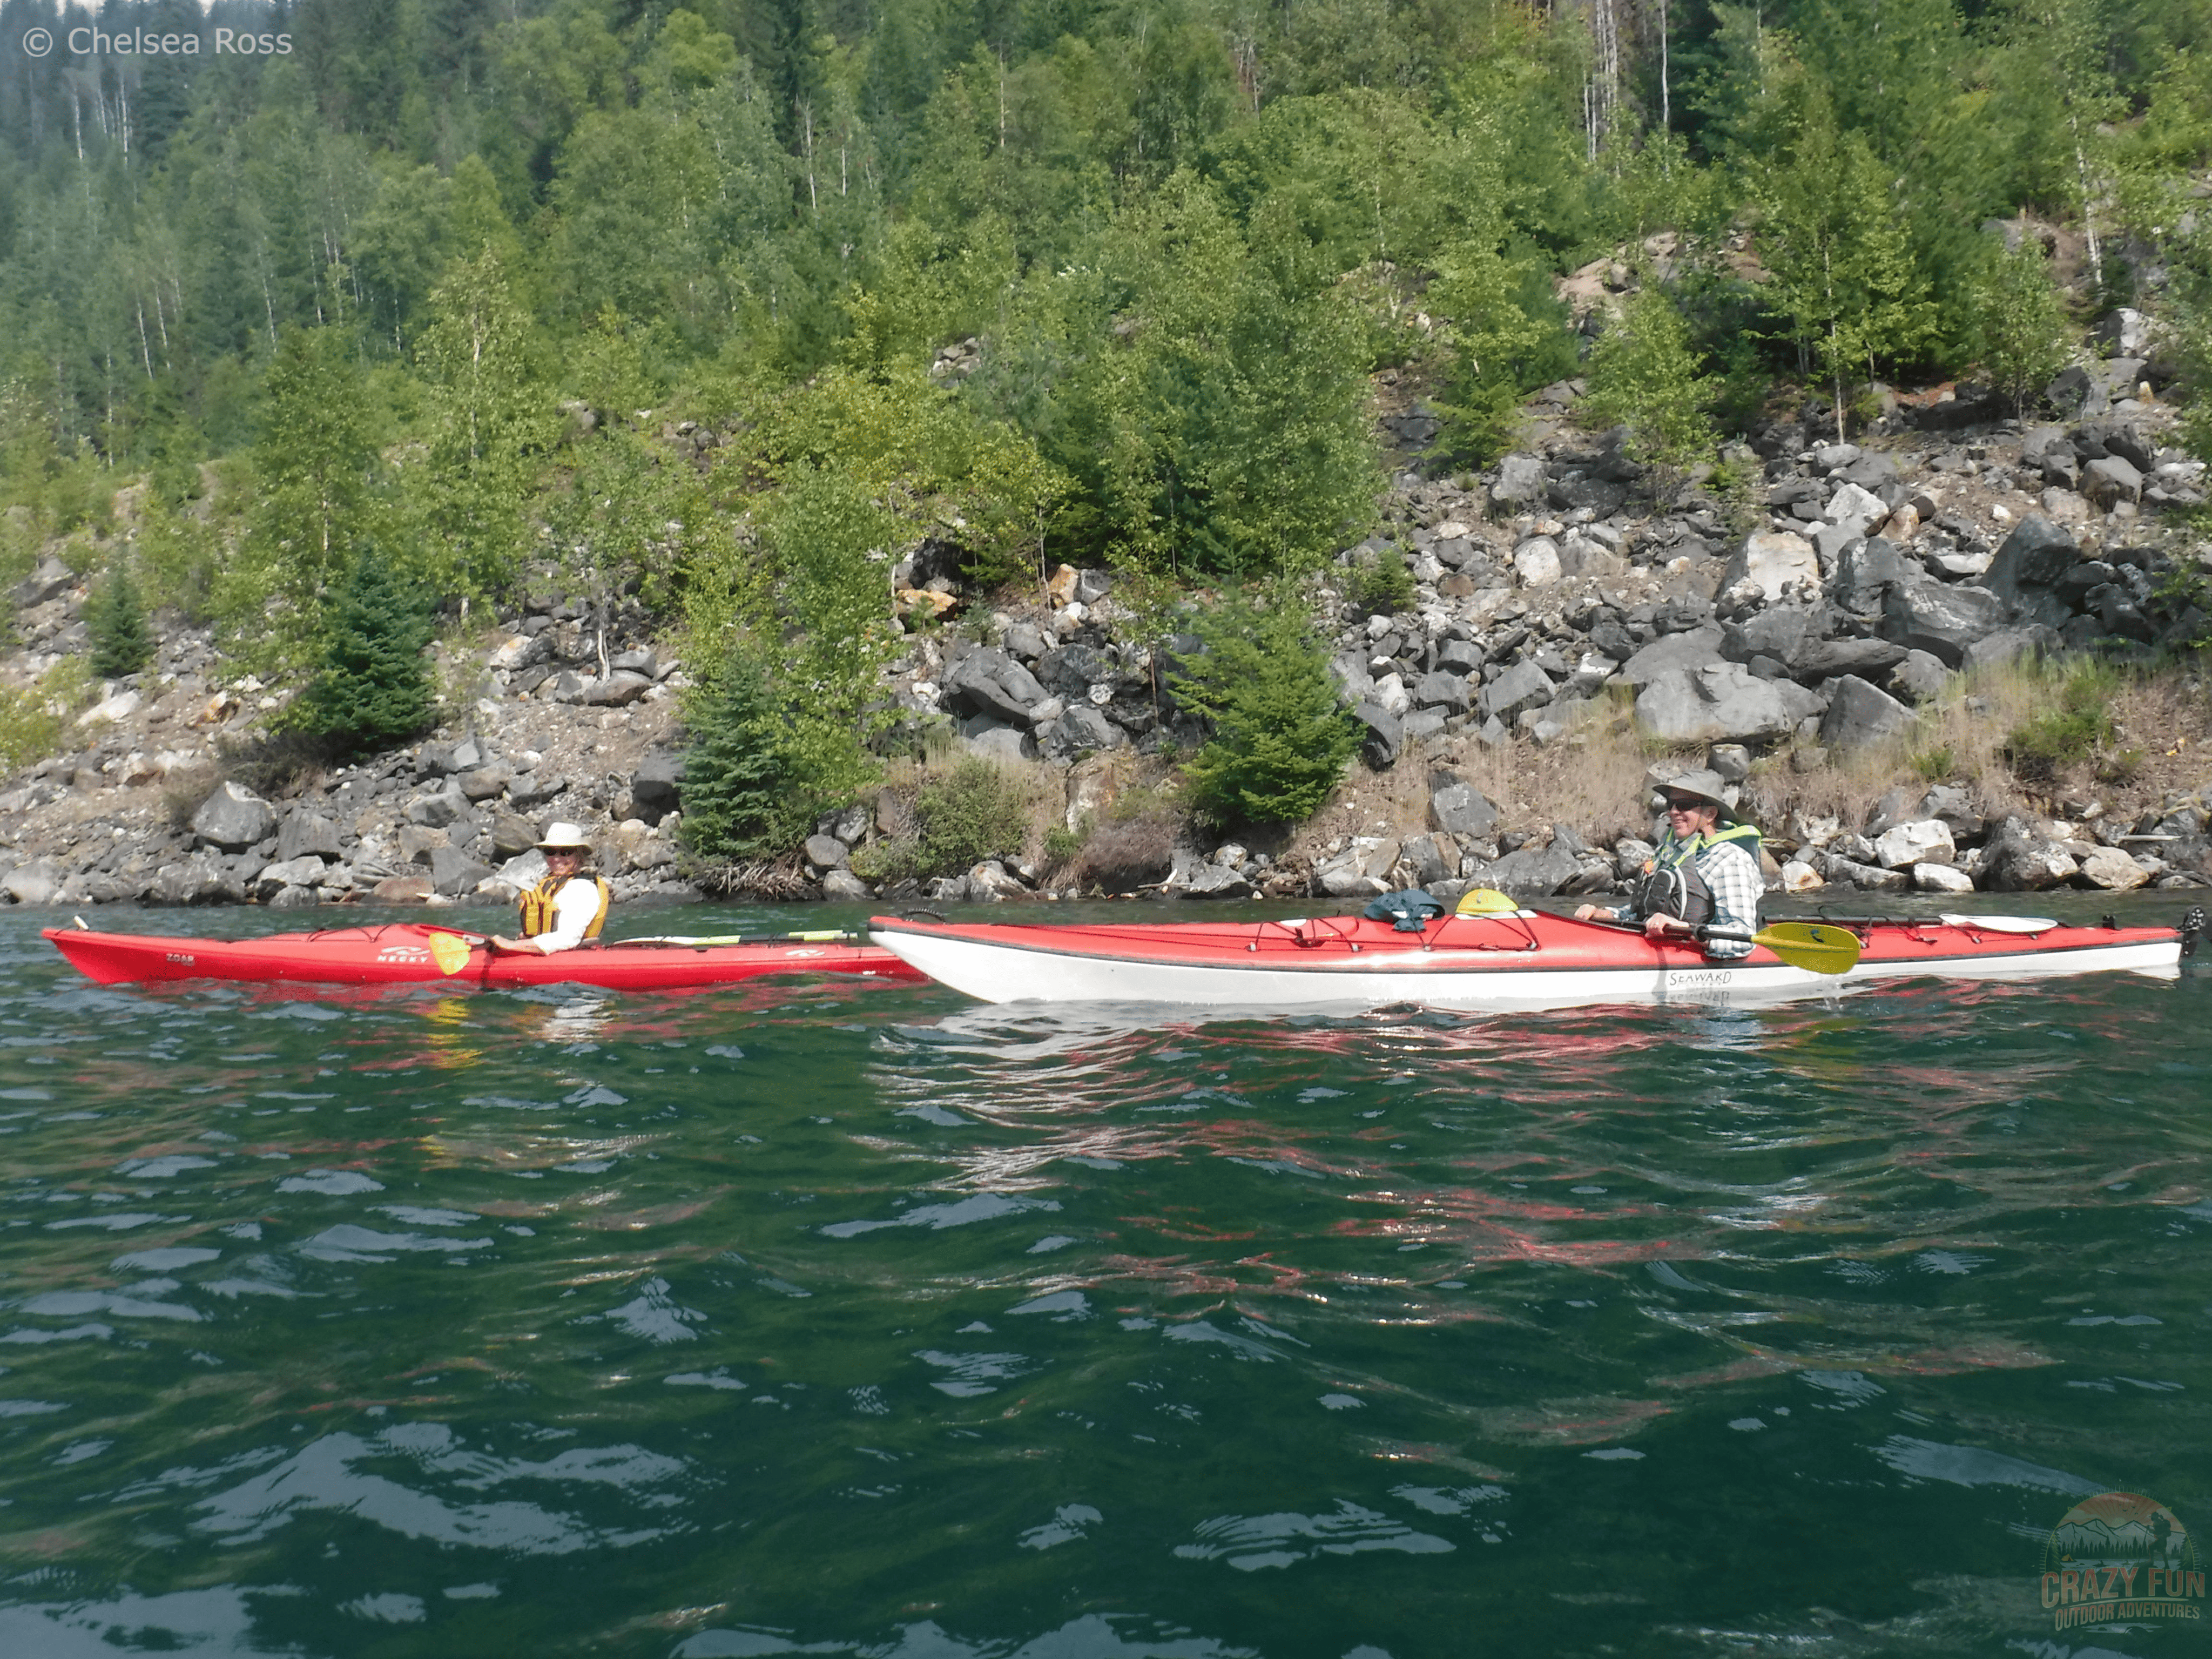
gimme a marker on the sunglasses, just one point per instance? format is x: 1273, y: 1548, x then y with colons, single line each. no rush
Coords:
x: 1685, y: 803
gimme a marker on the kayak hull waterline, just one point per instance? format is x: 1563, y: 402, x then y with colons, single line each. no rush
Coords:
x: 401, y: 954
x: 1523, y: 960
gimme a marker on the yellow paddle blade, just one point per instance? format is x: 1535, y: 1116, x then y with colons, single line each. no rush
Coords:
x: 1816, y: 947
x: 448, y: 952
x: 829, y: 933
x: 1487, y: 902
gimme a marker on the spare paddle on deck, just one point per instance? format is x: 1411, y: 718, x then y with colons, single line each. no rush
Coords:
x: 1817, y: 949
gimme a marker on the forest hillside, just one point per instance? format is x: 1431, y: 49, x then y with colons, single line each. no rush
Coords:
x: 1235, y: 390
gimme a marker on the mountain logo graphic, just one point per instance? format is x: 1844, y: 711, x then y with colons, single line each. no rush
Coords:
x: 2120, y: 1557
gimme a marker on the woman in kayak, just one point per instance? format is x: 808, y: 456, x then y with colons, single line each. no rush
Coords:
x: 1705, y: 873
x: 567, y: 908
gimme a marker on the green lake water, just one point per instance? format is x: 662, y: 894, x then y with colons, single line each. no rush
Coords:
x: 843, y: 1318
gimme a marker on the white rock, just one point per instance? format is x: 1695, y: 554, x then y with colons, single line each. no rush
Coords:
x: 1852, y: 505
x: 2110, y: 868
x: 1536, y: 561
x: 1924, y: 841
x: 121, y: 706
x: 1452, y: 530
x: 1941, y: 879
x: 1772, y: 560
x: 1390, y: 692
x: 1799, y: 877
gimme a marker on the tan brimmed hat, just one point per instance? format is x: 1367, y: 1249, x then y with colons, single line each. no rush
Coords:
x: 1704, y: 784
x: 563, y: 838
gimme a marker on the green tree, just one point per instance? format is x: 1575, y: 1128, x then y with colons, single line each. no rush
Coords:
x: 1280, y: 734
x: 115, y: 617
x: 1843, y: 276
x: 1646, y: 375
x: 1508, y: 337
x: 2021, y: 330
x: 484, y: 421
x: 743, y: 796
x: 370, y: 686
x: 316, y: 499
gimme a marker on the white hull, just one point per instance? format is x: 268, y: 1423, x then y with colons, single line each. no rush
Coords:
x: 1003, y: 973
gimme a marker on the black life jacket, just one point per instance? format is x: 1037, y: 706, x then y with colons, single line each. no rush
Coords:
x: 1671, y: 885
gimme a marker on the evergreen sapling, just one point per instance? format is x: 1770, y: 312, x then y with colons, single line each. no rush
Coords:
x: 371, y: 688
x: 1280, y: 735
x: 115, y: 617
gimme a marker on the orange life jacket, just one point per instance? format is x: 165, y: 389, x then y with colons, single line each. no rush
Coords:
x: 540, y: 908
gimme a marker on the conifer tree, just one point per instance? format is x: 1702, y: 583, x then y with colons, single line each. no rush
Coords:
x: 738, y: 799
x: 115, y: 617
x: 1280, y: 734
x: 2019, y: 326
x: 1644, y: 374
x: 371, y: 687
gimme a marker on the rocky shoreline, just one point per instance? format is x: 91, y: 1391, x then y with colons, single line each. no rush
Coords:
x: 1774, y: 628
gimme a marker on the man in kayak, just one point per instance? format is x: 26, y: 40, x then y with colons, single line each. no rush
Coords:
x: 1705, y: 873
x: 567, y: 908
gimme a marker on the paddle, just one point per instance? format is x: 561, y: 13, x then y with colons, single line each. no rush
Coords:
x: 1818, y: 950
x: 449, y: 952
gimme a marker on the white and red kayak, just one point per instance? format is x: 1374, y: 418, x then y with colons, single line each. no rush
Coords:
x: 404, y: 953
x: 1513, y: 960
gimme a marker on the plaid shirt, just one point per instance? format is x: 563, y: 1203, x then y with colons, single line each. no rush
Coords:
x: 1733, y: 876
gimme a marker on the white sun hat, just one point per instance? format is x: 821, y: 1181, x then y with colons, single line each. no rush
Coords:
x: 561, y: 837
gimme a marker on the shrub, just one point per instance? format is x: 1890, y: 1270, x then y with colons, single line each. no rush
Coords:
x: 1934, y: 765
x: 974, y: 812
x: 2077, y: 722
x: 1381, y: 584
x: 371, y: 687
x: 2020, y: 330
x: 115, y: 618
x: 1280, y: 736
x: 1645, y: 374
x: 742, y: 796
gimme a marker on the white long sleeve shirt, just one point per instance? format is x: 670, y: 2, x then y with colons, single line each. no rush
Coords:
x: 573, y: 910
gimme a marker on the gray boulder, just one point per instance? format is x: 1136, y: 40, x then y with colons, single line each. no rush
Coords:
x: 1082, y: 730
x: 440, y: 808
x: 1919, y: 678
x: 1459, y: 657
x: 1692, y: 649
x: 512, y: 835
x: 1216, y: 881
x: 485, y: 783
x: 1460, y: 809
x: 2112, y: 479
x: 1824, y: 660
x: 306, y: 871
x: 233, y: 818
x: 989, y: 681
x: 826, y: 851
x: 1772, y: 560
x: 1442, y: 691
x: 1385, y: 736
x: 293, y: 898
x: 2008, y: 644
x: 991, y: 883
x: 1859, y: 714
x: 1430, y: 858
x: 38, y: 882
x: 454, y: 872
x: 1533, y: 872
x: 843, y: 884
x: 529, y: 789
x: 987, y: 737
x: 1524, y: 685
x: 203, y: 878
x: 1779, y: 631
x: 1942, y: 620
x: 1720, y: 702
x: 620, y: 688
x: 306, y: 832
x: 1073, y: 670
x: 2018, y: 861
x: 656, y: 789
x: 50, y: 579
x: 2028, y: 568
x: 1866, y: 571
x: 1521, y: 480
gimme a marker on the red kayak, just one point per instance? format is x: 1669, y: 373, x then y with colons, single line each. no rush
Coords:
x: 417, y: 953
x: 1509, y: 959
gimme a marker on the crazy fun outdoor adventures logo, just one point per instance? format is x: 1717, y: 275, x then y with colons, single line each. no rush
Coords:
x: 2120, y: 1556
